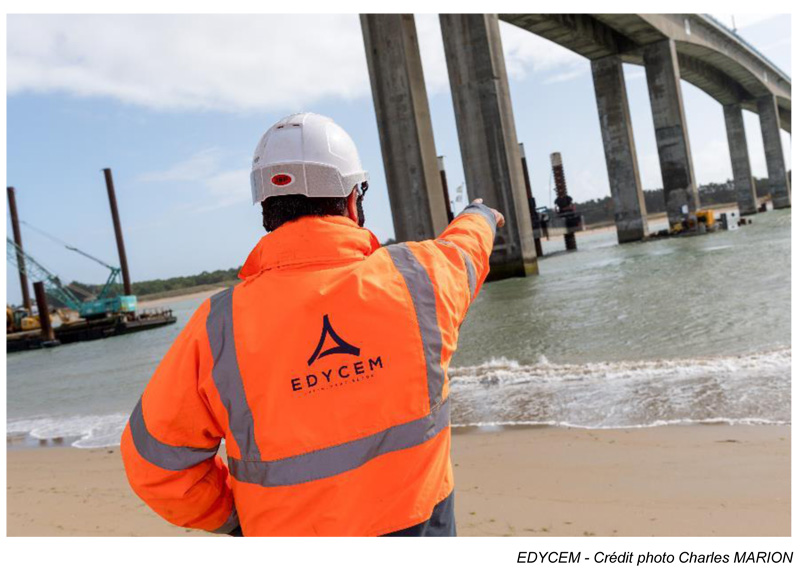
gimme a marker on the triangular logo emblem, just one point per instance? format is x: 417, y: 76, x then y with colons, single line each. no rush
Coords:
x: 341, y: 345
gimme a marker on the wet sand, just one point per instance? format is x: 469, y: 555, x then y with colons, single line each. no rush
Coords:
x: 698, y: 480
x: 667, y: 481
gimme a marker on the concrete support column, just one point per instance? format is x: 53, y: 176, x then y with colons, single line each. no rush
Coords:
x: 672, y: 138
x: 488, y: 138
x: 740, y: 160
x: 630, y: 213
x: 404, y: 125
x: 773, y: 148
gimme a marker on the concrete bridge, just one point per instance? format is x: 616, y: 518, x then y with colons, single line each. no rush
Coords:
x: 671, y: 47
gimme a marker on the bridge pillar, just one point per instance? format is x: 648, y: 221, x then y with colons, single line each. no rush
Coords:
x: 487, y: 136
x: 773, y: 148
x: 404, y: 126
x: 672, y: 138
x: 630, y: 213
x: 740, y: 160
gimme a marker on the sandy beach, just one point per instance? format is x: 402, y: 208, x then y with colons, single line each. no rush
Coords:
x: 692, y: 480
x: 165, y: 301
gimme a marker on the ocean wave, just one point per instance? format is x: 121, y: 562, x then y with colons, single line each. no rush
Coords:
x: 626, y: 394
x: 84, y: 431
x: 510, y: 371
x: 749, y: 389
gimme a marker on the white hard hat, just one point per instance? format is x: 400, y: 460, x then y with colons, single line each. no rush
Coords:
x: 305, y: 154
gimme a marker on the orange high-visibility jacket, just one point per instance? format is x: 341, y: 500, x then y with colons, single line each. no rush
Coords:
x: 325, y: 371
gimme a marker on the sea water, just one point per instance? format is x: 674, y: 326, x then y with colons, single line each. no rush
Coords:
x: 673, y: 331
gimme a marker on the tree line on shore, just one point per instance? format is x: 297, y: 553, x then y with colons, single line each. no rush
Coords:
x: 163, y: 285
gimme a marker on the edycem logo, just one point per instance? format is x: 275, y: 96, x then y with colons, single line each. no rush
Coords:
x: 341, y: 345
x: 356, y: 371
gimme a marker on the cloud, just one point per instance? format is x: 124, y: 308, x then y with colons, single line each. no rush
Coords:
x: 526, y: 54
x: 200, y: 165
x: 230, y: 62
x: 222, y: 186
x: 227, y: 188
x: 226, y: 62
x: 569, y: 74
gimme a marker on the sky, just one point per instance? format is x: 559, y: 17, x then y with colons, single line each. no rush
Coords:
x: 175, y: 105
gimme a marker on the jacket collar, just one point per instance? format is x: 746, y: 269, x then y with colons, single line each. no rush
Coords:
x: 310, y: 240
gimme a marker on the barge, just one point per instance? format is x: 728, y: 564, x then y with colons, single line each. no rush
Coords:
x: 90, y: 329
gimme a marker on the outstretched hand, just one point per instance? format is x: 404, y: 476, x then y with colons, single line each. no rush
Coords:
x: 501, y: 221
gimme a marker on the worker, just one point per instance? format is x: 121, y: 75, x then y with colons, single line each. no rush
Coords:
x: 564, y: 203
x: 324, y: 369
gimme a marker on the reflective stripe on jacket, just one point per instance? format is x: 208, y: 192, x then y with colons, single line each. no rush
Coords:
x: 325, y: 371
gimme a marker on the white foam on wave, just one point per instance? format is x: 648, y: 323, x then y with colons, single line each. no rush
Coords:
x: 89, y: 431
x: 503, y: 370
x: 746, y: 389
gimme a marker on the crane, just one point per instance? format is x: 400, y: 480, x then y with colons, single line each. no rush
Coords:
x: 100, y: 306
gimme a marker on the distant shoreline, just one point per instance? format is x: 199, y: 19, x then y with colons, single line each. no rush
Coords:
x: 204, y: 290
x: 654, y: 217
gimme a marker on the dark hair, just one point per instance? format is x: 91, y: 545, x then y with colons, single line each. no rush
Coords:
x: 280, y: 210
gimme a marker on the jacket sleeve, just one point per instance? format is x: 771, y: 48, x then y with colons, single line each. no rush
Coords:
x: 169, y: 447
x: 466, y: 245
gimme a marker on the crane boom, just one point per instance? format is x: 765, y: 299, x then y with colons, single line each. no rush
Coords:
x: 66, y: 245
x: 37, y: 272
x: 101, y: 305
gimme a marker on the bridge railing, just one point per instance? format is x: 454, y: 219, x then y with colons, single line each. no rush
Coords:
x: 742, y: 40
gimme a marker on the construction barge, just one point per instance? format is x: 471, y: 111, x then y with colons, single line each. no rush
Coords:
x: 83, y: 315
x: 89, y: 330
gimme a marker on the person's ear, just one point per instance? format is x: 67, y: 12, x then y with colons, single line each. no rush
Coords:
x: 352, y: 208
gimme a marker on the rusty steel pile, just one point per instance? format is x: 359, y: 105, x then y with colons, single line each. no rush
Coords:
x: 81, y: 318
